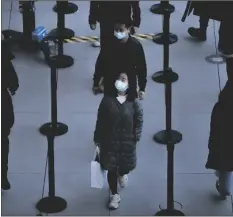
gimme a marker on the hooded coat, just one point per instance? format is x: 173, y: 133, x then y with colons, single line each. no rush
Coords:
x: 118, y: 129
x: 221, y: 132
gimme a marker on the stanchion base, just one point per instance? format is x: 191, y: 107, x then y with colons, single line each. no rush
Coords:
x: 215, y: 59
x: 159, y: 38
x: 162, y: 137
x: 46, y: 129
x: 51, y: 205
x: 159, y: 9
x: 166, y: 212
x: 161, y: 77
x: 63, y: 34
x: 69, y: 8
x: 63, y: 61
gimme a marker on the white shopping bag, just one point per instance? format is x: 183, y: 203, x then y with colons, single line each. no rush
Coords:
x: 97, y: 173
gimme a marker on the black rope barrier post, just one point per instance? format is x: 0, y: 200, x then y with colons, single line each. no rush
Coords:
x: 52, y: 203
x: 159, y: 8
x: 159, y: 76
x: 47, y: 128
x: 62, y: 8
x: 159, y: 38
x: 168, y: 137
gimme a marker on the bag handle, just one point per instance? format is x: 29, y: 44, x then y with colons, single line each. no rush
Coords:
x: 97, y: 152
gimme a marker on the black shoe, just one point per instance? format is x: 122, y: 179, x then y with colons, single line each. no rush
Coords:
x: 197, y: 33
x: 5, y: 184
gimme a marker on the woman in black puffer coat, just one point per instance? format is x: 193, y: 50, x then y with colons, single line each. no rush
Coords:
x: 118, y: 129
x: 221, y: 140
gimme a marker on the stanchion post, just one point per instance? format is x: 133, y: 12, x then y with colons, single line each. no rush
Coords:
x: 159, y: 8
x: 52, y: 203
x: 168, y: 136
x: 61, y: 32
x: 59, y: 128
x: 160, y: 39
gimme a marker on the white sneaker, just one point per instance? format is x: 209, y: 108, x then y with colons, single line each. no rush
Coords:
x: 114, y: 201
x: 123, y: 181
x: 96, y: 44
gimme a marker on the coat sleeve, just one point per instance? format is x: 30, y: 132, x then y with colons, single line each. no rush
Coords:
x: 188, y: 10
x: 141, y: 68
x: 93, y: 12
x: 99, y: 128
x: 136, y: 13
x: 99, y: 68
x: 13, y: 78
x: 138, y: 120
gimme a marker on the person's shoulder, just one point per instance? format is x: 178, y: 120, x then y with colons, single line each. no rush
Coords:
x: 106, y: 100
x: 136, y: 43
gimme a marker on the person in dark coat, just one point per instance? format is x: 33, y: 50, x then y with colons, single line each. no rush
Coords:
x: 118, y: 129
x: 10, y: 85
x: 105, y: 13
x: 216, y: 10
x: 220, y: 156
x: 125, y: 53
x: 197, y: 8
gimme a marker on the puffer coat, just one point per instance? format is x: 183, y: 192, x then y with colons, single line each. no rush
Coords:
x: 221, y: 132
x: 118, y: 129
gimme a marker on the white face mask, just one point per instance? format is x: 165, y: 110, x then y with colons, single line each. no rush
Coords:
x: 121, y: 86
x: 120, y: 35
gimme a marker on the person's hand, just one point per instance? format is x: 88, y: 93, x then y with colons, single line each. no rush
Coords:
x: 93, y: 26
x: 13, y: 90
x: 134, y: 30
x: 141, y: 95
x: 97, y: 149
x: 96, y: 90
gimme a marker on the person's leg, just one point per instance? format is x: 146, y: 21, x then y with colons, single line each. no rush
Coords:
x: 229, y: 68
x: 204, y: 21
x: 112, y: 182
x: 224, y: 183
x: 5, y: 153
x: 200, y: 33
x: 225, y: 44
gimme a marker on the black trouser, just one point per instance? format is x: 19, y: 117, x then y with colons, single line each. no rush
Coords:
x: 113, y: 179
x: 203, y: 23
x: 226, y: 37
x: 5, y: 150
x: 229, y: 68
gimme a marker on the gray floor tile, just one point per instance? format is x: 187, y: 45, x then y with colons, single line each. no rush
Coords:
x: 28, y: 148
x: 198, y: 195
x: 26, y: 191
